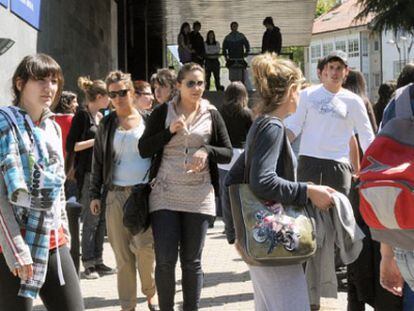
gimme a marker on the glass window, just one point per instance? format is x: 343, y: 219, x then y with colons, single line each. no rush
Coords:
x: 376, y: 45
x: 315, y: 53
x: 364, y: 46
x: 353, y: 48
x: 327, y: 48
x: 340, y: 45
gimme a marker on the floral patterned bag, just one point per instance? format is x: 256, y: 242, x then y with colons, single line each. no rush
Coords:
x: 269, y: 233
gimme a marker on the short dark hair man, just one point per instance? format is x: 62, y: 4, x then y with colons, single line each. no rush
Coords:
x: 272, y: 38
x: 197, y: 44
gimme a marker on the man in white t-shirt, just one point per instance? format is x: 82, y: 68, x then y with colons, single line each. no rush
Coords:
x: 326, y: 117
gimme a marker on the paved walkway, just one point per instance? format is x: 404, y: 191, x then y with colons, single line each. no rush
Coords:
x: 227, y: 283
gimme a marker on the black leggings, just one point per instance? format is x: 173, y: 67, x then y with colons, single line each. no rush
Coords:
x: 54, y: 296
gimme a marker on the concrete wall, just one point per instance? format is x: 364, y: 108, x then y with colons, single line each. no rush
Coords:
x: 26, y: 43
x: 79, y: 34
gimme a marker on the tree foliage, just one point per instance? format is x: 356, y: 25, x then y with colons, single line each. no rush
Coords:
x: 323, y: 6
x: 391, y: 15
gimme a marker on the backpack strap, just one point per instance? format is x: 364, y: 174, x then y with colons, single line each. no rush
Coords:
x: 403, y: 102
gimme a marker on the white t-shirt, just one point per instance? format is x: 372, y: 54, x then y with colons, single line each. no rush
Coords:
x: 129, y: 167
x: 327, y: 122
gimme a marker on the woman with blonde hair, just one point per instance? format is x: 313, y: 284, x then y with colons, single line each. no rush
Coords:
x: 79, y: 148
x: 278, y: 82
x: 186, y: 139
x: 118, y: 166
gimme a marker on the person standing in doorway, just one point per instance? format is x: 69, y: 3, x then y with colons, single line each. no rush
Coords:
x: 272, y: 38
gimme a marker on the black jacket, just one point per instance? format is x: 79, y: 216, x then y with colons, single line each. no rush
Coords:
x: 103, y: 155
x: 82, y: 128
x: 156, y: 136
x: 272, y: 41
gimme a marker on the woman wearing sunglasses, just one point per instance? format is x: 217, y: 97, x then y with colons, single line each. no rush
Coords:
x: 186, y: 139
x: 117, y: 165
x: 34, y: 257
x: 79, y: 148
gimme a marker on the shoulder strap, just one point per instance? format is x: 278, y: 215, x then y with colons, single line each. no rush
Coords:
x: 403, y: 102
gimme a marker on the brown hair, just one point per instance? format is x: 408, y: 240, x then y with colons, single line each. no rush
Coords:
x: 189, y: 67
x: 119, y: 76
x: 140, y: 86
x: 92, y: 88
x: 37, y: 67
x: 64, y: 103
x: 273, y: 77
x: 235, y: 98
x: 164, y: 77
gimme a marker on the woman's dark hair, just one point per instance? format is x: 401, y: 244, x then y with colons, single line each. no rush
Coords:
x: 235, y: 98
x: 355, y: 82
x: 64, y: 103
x: 406, y: 76
x: 184, y: 25
x: 188, y: 67
x: 186, y: 36
x: 164, y: 77
x: 208, y: 36
x: 37, y: 67
x: 385, y: 92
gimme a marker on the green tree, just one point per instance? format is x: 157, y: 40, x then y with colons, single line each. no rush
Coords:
x: 391, y: 15
x: 323, y: 6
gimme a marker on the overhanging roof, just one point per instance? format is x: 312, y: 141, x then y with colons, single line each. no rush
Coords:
x: 293, y: 17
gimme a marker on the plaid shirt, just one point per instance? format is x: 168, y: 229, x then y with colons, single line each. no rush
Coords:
x: 34, y: 178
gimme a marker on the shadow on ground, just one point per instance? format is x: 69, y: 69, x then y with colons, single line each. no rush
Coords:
x: 206, y: 303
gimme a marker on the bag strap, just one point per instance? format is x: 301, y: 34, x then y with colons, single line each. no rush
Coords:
x: 286, y: 154
x: 403, y: 102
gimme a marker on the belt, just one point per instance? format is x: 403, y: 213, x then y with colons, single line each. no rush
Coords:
x: 119, y: 188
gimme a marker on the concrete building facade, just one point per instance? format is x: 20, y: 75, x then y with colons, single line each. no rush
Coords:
x: 79, y: 34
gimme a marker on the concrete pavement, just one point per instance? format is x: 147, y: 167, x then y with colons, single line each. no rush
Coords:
x: 227, y: 284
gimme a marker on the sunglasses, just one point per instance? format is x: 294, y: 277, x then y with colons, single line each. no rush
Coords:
x: 120, y: 93
x: 192, y: 83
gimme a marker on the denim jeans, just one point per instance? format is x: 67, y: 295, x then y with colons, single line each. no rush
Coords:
x: 405, y: 261
x: 93, y: 229
x: 183, y: 233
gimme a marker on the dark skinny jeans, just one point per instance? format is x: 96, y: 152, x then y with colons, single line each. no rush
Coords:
x: 55, y: 297
x: 183, y: 233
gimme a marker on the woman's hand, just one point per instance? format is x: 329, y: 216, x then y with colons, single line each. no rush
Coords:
x: 177, y: 125
x: 24, y: 272
x: 95, y: 207
x: 321, y: 196
x: 198, y: 161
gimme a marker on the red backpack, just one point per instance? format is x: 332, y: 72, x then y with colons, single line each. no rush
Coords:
x: 387, y: 177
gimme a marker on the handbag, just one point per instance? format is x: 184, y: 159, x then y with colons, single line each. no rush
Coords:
x: 136, y: 216
x: 271, y: 233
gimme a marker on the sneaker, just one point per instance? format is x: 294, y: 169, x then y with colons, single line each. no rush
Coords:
x: 103, y: 269
x: 91, y: 274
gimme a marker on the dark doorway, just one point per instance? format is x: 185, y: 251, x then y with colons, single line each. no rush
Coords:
x: 140, y: 33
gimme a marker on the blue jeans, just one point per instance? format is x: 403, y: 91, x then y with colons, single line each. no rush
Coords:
x: 405, y: 261
x: 183, y: 233
x: 93, y: 230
